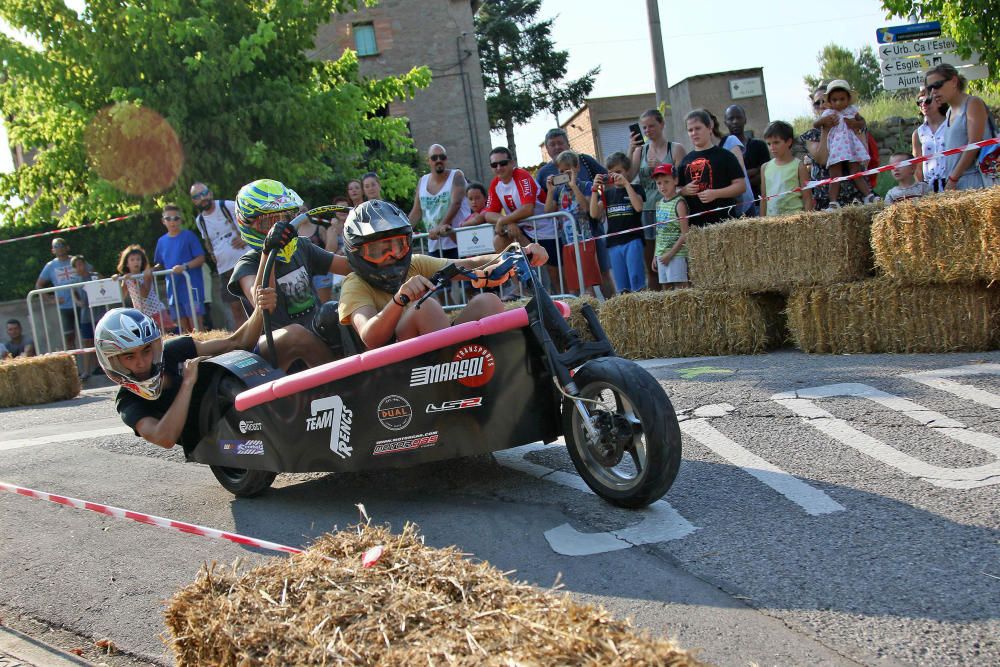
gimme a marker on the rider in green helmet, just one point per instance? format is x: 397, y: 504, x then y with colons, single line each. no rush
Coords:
x: 260, y: 206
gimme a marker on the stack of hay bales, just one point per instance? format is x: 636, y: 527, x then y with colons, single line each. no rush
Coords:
x: 35, y: 380
x: 936, y: 257
x: 417, y: 605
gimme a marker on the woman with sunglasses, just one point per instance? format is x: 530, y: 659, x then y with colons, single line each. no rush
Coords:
x: 967, y: 121
x: 378, y: 298
x: 928, y: 139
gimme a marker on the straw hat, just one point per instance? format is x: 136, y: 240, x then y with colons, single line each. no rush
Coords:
x: 840, y: 84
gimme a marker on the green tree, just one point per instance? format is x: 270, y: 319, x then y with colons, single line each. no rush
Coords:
x: 522, y: 70
x: 860, y: 69
x: 232, y: 80
x: 973, y: 24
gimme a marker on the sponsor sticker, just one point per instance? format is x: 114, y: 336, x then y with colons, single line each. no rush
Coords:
x: 248, y: 426
x: 245, y: 362
x: 405, y: 443
x: 331, y: 413
x: 472, y: 366
x: 459, y: 404
x: 242, y: 447
x: 395, y: 412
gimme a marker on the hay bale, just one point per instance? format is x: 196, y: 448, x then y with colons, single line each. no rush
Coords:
x: 211, y: 334
x: 948, y: 238
x: 880, y: 315
x: 35, y: 380
x: 417, y: 605
x: 686, y: 323
x: 778, y: 254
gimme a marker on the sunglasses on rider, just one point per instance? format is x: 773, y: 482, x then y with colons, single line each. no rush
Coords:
x: 380, y: 251
x: 439, y: 157
x: 500, y: 163
x: 203, y: 193
x: 172, y: 218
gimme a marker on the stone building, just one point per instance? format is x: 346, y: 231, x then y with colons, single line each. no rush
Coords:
x: 396, y: 35
x: 600, y: 127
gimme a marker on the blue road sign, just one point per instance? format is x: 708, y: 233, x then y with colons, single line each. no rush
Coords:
x: 908, y: 31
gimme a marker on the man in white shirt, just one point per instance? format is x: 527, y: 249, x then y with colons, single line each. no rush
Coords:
x: 216, y: 222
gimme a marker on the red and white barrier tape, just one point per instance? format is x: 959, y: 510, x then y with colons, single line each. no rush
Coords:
x: 63, y: 230
x: 149, y: 519
x: 824, y: 182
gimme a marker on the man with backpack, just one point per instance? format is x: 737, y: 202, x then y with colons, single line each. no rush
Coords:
x: 216, y: 221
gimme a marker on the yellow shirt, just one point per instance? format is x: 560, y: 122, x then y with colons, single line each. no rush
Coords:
x: 356, y: 293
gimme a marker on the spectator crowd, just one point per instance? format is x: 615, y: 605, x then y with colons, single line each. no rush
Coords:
x: 621, y: 225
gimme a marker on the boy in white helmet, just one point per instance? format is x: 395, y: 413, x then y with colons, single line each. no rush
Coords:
x: 158, y: 379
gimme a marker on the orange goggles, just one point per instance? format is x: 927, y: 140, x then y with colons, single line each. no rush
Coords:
x: 377, y: 252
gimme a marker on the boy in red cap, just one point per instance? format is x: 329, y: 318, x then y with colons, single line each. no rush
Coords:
x: 670, y: 255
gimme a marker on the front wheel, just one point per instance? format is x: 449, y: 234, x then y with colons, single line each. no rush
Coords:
x: 242, y: 482
x: 634, y: 452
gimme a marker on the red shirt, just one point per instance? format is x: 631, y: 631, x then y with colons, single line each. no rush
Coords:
x: 522, y: 189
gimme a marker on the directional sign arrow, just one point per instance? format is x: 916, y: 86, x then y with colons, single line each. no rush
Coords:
x: 924, y: 63
x: 919, y: 47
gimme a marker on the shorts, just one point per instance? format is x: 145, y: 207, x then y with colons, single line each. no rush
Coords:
x: 227, y: 296
x: 649, y: 225
x: 674, y: 272
x: 551, y: 247
x: 325, y: 280
x: 69, y: 324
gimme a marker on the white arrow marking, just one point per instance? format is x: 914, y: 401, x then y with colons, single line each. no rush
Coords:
x: 936, y: 380
x: 800, y: 403
x: 809, y: 498
x: 660, y: 522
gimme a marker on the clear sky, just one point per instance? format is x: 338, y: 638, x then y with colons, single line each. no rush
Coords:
x: 782, y: 36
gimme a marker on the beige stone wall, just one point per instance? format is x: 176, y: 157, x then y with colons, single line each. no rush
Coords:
x: 440, y: 35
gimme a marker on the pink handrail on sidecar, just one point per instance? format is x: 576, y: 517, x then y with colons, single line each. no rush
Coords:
x: 383, y: 356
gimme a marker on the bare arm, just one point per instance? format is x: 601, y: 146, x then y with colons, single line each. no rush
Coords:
x: 763, y: 190
x: 808, y: 203
x: 166, y: 431
x: 416, y: 214
x: 457, y: 197
x: 976, y: 124
x: 916, y: 150
x: 596, y: 202
x: 636, y: 157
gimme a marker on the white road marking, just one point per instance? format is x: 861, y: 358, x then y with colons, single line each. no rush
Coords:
x: 52, y: 433
x: 809, y: 498
x: 936, y: 379
x: 800, y: 402
x: 660, y: 522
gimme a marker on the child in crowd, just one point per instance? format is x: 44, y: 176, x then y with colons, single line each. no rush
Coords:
x: 137, y: 281
x: 180, y: 251
x: 477, y: 195
x: 843, y: 144
x: 572, y: 196
x: 908, y: 187
x: 82, y: 303
x: 783, y: 174
x: 670, y: 259
x: 614, y: 196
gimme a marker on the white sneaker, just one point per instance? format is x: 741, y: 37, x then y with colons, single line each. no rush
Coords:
x: 834, y: 204
x: 872, y: 198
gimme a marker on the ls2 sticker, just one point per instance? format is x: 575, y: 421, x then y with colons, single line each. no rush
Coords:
x: 472, y: 366
x: 243, y: 447
x: 405, y: 443
x: 461, y: 404
x: 331, y: 413
x: 395, y: 412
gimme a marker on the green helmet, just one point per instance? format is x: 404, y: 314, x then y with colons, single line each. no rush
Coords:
x: 259, y: 205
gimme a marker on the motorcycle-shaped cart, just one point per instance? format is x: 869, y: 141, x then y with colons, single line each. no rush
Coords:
x: 510, y: 379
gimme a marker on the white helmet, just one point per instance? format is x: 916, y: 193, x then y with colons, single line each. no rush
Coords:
x: 123, y: 330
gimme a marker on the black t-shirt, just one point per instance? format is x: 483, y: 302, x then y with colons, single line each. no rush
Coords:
x: 297, y: 300
x: 756, y: 154
x: 589, y: 167
x: 133, y: 408
x: 622, y: 216
x: 711, y: 169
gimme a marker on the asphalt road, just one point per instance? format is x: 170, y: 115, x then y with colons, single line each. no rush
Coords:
x: 829, y: 510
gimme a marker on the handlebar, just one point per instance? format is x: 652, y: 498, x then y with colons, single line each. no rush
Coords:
x: 513, y: 257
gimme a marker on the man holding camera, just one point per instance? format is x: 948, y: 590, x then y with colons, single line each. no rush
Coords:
x: 556, y: 142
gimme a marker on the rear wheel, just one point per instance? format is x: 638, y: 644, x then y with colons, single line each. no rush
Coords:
x: 632, y: 455
x: 242, y: 482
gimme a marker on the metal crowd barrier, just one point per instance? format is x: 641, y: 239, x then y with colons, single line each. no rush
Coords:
x: 94, y: 311
x: 457, y: 298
